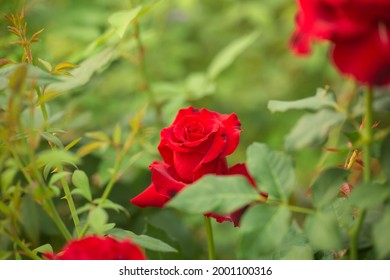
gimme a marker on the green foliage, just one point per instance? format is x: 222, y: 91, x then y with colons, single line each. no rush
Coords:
x: 272, y: 170
x: 221, y: 195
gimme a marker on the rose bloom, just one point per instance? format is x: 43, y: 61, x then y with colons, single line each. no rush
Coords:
x: 98, y: 248
x: 195, y: 144
x: 198, y: 141
x: 359, y: 31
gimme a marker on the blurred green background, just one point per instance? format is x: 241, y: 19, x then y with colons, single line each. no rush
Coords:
x: 180, y: 39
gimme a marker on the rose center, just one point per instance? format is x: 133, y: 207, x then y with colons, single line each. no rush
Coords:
x: 194, y: 131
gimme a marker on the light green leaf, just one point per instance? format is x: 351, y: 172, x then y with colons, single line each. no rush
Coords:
x: 220, y: 194
x: 46, y: 248
x: 327, y: 186
x: 58, y: 176
x: 54, y: 158
x: 81, y: 182
x: 272, y: 170
x: 323, y: 231
x: 365, y: 196
x: 108, y: 204
x: 313, y: 129
x: 82, y: 74
x: 34, y: 74
x: 97, y: 220
x: 322, y: 99
x: 199, y: 85
x: 227, y: 56
x: 144, y: 241
x: 121, y: 20
x: 262, y: 230
x: 381, y: 235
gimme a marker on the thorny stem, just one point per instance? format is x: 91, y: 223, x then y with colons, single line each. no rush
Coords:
x: 367, y: 136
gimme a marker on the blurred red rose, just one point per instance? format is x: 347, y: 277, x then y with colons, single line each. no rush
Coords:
x: 98, y: 248
x: 359, y: 31
x: 197, y: 142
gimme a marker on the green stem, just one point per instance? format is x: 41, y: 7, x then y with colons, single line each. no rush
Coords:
x: 43, y: 107
x: 210, y: 238
x: 367, y: 136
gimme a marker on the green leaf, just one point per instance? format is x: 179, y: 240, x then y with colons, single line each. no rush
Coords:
x: 313, y: 129
x: 54, y: 158
x: 34, y: 74
x: 58, y: 176
x: 46, y: 248
x: 263, y: 229
x: 369, y: 195
x: 80, y: 181
x: 323, y: 231
x: 199, y: 85
x: 227, y: 56
x: 108, y: 204
x: 121, y: 20
x: 81, y: 75
x: 52, y: 138
x: 220, y: 194
x: 343, y: 210
x: 385, y: 156
x: 272, y: 170
x: 327, y: 186
x: 322, y: 99
x: 381, y: 235
x: 144, y: 241
x: 97, y: 219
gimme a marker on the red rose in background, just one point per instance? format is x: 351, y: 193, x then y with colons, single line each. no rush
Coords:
x: 98, y: 248
x: 198, y: 141
x: 359, y: 31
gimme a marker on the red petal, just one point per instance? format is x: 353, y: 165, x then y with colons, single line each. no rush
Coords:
x: 164, y: 179
x: 150, y: 197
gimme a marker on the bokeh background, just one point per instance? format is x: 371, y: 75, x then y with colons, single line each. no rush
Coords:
x: 180, y: 40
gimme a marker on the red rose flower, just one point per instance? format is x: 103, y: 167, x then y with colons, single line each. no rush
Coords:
x: 198, y: 141
x: 359, y: 31
x: 98, y: 248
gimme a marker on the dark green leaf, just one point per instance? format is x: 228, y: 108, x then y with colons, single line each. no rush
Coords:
x: 313, y: 129
x: 272, y: 170
x: 263, y: 229
x: 327, y: 186
x: 385, y: 156
x: 220, y: 194
x: 322, y: 99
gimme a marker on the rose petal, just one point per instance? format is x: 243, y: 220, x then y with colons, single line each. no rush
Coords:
x: 165, y: 180
x: 232, y: 131
x: 150, y: 197
x: 367, y: 58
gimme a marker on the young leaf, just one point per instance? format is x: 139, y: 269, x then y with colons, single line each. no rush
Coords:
x: 272, y: 170
x: 323, y: 231
x: 327, y: 186
x: 322, y: 99
x: 52, y: 138
x: 55, y: 158
x: 80, y: 181
x: 108, y: 204
x: 263, y: 229
x: 220, y: 194
x: 46, y: 248
x: 144, y: 241
x: 227, y: 56
x: 97, y: 219
x: 313, y: 129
